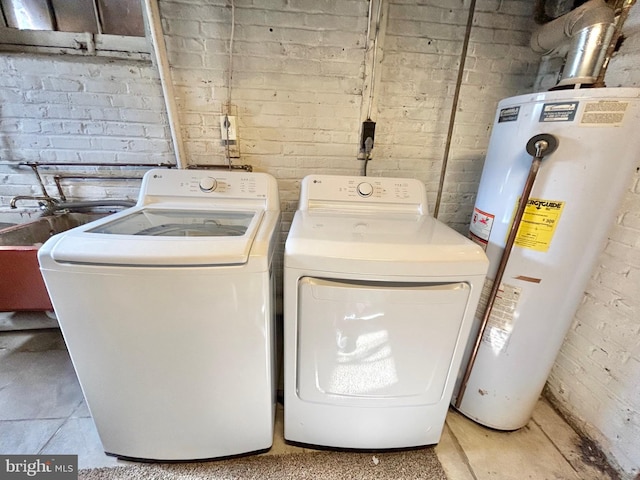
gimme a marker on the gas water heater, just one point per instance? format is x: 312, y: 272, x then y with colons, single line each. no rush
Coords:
x: 568, y: 214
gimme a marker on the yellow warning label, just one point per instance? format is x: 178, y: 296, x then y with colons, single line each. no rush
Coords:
x: 538, y: 224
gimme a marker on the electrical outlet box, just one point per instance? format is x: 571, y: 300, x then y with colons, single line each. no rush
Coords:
x: 228, y: 130
x: 368, y: 131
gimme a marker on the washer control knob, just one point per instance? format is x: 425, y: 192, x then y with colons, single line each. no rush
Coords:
x: 208, y: 184
x: 365, y: 189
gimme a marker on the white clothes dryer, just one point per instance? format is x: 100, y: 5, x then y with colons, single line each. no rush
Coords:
x: 379, y: 299
x: 167, y: 309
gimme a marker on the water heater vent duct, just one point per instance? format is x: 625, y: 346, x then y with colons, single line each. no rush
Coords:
x: 583, y: 36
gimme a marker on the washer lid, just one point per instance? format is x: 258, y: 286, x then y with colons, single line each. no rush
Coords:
x: 162, y: 237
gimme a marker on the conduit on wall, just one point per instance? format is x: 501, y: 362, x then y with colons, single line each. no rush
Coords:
x: 376, y: 33
x: 162, y: 62
x: 454, y: 107
x: 230, y: 83
x: 376, y: 37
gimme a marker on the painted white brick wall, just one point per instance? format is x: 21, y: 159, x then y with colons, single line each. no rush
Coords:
x: 421, y: 57
x: 72, y: 109
x: 298, y: 79
x: 296, y: 86
x: 500, y: 65
x: 596, y: 379
x: 298, y: 70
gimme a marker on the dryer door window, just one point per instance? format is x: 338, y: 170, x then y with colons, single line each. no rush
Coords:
x: 377, y: 344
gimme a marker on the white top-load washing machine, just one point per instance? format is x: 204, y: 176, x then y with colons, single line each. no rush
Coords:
x: 167, y: 310
x: 379, y: 299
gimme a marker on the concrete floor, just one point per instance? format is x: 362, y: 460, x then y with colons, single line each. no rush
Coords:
x: 42, y: 411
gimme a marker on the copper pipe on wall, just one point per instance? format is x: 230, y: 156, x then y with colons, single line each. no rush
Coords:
x: 58, y: 179
x: 42, y: 187
x: 247, y: 168
x: 98, y: 164
x: 624, y: 6
x: 36, y: 165
x: 538, y: 146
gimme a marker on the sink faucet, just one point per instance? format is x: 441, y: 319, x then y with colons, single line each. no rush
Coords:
x: 49, y: 200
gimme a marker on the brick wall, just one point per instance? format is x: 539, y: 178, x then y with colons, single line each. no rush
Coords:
x: 418, y: 75
x: 298, y: 87
x: 71, y: 109
x: 596, y: 379
x: 302, y: 72
x: 301, y: 87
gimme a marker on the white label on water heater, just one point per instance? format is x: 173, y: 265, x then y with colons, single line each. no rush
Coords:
x: 480, y: 228
x: 605, y: 112
x: 500, y: 324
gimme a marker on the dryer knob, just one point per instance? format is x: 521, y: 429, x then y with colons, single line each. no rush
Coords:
x: 365, y: 189
x: 208, y: 184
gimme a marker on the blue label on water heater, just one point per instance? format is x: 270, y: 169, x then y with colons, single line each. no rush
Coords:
x: 559, y: 112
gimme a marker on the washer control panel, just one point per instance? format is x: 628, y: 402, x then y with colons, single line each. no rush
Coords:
x: 323, y: 189
x: 209, y: 184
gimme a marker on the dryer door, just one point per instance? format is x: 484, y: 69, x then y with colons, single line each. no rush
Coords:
x: 377, y: 344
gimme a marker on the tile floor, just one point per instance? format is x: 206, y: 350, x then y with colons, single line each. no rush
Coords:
x: 42, y: 411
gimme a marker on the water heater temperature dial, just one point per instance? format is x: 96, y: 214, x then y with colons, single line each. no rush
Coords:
x: 208, y: 184
x: 365, y: 189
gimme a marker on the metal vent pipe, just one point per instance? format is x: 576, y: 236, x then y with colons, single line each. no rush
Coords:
x: 583, y: 35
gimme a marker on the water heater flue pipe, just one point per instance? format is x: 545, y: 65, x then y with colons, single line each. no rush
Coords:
x: 538, y: 147
x: 583, y: 35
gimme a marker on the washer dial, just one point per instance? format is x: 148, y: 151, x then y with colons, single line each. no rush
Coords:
x: 364, y: 189
x: 208, y: 184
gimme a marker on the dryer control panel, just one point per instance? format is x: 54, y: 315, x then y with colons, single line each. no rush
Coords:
x: 335, y: 190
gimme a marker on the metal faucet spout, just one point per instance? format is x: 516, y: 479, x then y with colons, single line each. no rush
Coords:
x: 51, y: 201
